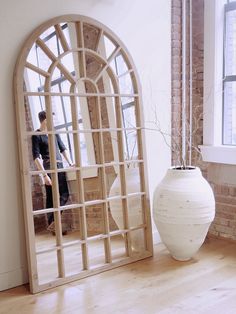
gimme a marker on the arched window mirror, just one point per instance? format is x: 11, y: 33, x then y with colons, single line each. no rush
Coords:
x: 81, y: 146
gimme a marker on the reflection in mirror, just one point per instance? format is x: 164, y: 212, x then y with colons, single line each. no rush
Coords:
x: 47, y: 267
x: 118, y: 251
x: 96, y: 253
x: 82, y: 125
x: 108, y: 46
x: 91, y: 36
x: 73, y: 257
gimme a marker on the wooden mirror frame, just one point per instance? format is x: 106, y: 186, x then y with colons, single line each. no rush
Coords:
x: 20, y: 94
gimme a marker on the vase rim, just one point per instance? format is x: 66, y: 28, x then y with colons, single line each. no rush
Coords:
x: 181, y: 173
x: 187, y: 168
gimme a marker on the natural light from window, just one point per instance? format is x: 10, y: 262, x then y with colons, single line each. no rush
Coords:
x: 229, y: 85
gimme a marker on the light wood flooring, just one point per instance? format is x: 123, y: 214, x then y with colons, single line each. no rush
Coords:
x: 206, y: 284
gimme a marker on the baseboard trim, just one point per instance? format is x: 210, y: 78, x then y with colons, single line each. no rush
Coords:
x: 13, y: 278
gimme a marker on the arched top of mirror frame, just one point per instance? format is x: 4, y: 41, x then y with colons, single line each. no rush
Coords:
x: 80, y: 22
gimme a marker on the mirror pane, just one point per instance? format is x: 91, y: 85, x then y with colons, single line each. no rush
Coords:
x: 116, y: 204
x: 121, y: 65
x: 39, y: 150
x: 117, y: 215
x: 135, y: 212
x: 125, y: 84
x: 130, y: 145
x: 38, y: 193
x: 33, y: 105
x: 113, y: 67
x: 104, y: 112
x: 137, y: 241
x: 91, y: 36
x: 67, y: 220
x: 109, y: 46
x: 51, y: 40
x: 34, y: 82
x: 94, y: 219
x: 109, y: 143
x: 93, y: 185
x: 32, y: 55
x: 42, y: 59
x: 38, y: 58
x: 67, y: 32
x: 96, y: 253
x: 108, y: 114
x: 73, y: 259
x: 70, y: 62
x: 118, y: 251
x: 106, y: 84
x: 93, y: 66
x: 132, y: 178
x: 128, y: 112
x: 72, y: 219
x: 43, y: 238
x: 47, y: 267
x: 112, y: 174
x: 58, y: 80
x: 61, y: 107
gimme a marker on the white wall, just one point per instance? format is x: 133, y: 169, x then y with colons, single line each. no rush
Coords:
x: 144, y: 27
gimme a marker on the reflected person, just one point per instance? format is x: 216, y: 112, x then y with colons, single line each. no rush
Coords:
x: 41, y: 156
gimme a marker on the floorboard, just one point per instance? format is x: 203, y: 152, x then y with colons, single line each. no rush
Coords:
x: 205, y: 284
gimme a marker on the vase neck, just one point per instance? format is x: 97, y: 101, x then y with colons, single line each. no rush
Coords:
x: 178, y: 172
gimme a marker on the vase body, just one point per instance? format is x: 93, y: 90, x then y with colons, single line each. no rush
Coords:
x: 183, y: 209
x: 135, y: 207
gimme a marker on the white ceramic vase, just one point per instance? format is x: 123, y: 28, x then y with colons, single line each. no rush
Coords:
x: 183, y: 209
x: 135, y: 210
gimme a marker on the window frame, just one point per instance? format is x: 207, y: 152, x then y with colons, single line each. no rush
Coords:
x: 213, y: 149
x: 227, y: 78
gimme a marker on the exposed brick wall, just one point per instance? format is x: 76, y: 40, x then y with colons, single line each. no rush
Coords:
x: 176, y: 83
x: 224, y: 225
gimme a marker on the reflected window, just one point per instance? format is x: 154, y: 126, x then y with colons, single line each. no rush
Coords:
x: 128, y: 108
x: 60, y: 104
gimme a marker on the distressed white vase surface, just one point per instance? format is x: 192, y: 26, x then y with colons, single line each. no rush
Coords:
x: 135, y: 209
x: 183, y: 209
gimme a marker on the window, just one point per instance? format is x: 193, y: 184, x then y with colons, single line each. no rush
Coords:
x: 229, y: 75
x: 219, y: 82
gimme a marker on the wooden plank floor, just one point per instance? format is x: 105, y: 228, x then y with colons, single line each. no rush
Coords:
x: 206, y: 284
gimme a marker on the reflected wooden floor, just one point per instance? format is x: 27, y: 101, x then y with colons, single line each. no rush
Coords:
x: 47, y: 262
x: 206, y: 284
